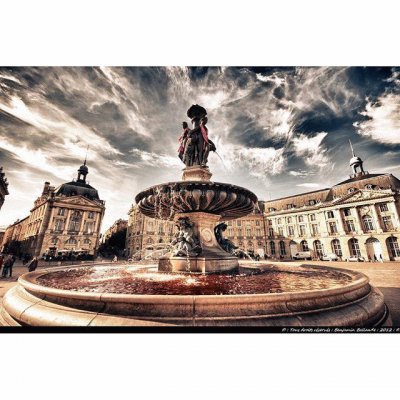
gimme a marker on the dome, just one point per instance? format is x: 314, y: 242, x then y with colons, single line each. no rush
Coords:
x: 77, y: 189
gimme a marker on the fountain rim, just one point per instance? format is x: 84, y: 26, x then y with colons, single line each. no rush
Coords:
x: 198, y: 183
x: 28, y: 282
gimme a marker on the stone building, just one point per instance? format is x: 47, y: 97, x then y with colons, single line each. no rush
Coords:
x: 357, y: 217
x: 248, y: 233
x: 146, y: 235
x: 117, y: 226
x: 63, y: 220
x: 3, y: 187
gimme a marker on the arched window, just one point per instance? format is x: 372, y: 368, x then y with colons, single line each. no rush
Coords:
x: 336, y: 247
x: 318, y: 248
x: 149, y: 241
x: 304, y: 245
x: 393, y: 246
x: 272, y: 247
x: 354, y: 248
x: 368, y: 223
x: 282, y: 248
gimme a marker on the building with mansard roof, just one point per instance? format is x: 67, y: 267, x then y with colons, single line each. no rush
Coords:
x: 63, y: 221
x: 358, y: 217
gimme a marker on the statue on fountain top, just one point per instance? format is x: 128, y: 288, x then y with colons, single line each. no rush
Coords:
x: 194, y: 144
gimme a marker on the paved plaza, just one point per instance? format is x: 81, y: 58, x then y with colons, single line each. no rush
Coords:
x: 385, y: 276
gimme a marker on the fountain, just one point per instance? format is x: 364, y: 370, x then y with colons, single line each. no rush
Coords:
x: 200, y: 281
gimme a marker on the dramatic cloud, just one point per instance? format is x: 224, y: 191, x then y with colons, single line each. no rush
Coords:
x: 276, y: 129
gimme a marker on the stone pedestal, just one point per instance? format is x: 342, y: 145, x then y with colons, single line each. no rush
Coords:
x: 212, y: 259
x: 196, y: 173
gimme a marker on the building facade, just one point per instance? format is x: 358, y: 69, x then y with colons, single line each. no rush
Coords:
x: 64, y: 220
x: 358, y: 217
x: 3, y: 187
x: 146, y: 235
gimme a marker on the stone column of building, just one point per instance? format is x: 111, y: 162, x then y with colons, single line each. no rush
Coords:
x: 393, y: 208
x: 377, y: 219
x: 43, y: 227
x: 67, y: 219
x: 359, y: 227
x: 341, y: 229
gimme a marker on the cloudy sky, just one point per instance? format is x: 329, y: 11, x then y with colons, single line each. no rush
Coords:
x: 278, y: 131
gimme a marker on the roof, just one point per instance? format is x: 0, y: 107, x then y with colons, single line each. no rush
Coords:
x: 75, y: 188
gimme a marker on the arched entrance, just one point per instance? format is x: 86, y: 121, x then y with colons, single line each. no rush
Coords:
x: 318, y: 248
x: 374, y: 249
x: 293, y: 248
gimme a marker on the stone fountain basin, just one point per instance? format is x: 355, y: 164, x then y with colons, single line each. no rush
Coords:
x: 354, y: 304
x: 226, y: 200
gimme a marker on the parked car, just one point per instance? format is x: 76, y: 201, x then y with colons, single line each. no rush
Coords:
x: 329, y: 257
x: 356, y: 259
x: 302, y: 255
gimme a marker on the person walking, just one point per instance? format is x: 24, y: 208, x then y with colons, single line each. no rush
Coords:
x: 33, y: 264
x: 7, y: 269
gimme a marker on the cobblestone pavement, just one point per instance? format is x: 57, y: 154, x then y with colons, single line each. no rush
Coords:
x: 384, y: 276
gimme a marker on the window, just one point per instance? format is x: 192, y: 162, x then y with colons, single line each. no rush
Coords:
x: 387, y: 222
x: 351, y: 190
x: 302, y: 230
x: 312, y: 217
x: 332, y: 227
x: 248, y: 232
x: 271, y: 232
x: 304, y: 245
x: 289, y: 206
x: 368, y: 224
x: 54, y: 240
x: 350, y: 226
x: 301, y: 218
x: 314, y: 229
x: 289, y: 220
x: 312, y: 202
x: 347, y: 212
x: 258, y: 232
x: 272, y: 247
x: 318, y: 248
x: 239, y: 231
x: 239, y: 223
x: 280, y: 231
x: 87, y: 241
x: 75, y: 222
x: 279, y: 221
x: 91, y: 214
x: 393, y: 247
x: 336, y: 247
x: 161, y: 229
x: 282, y: 248
x: 354, y: 248
x: 290, y: 231
x: 257, y: 223
x: 58, y: 225
x: 330, y: 214
x: 71, y: 240
x: 383, y: 207
x: 61, y: 211
x: 89, y: 227
x: 230, y: 232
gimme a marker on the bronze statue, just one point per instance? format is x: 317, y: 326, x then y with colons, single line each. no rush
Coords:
x: 186, y: 243
x: 226, y: 244
x: 194, y: 144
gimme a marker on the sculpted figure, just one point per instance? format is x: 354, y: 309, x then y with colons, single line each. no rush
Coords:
x: 186, y: 242
x: 194, y: 144
x: 226, y: 244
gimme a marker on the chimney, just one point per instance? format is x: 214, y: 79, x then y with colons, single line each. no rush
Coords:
x: 46, y: 188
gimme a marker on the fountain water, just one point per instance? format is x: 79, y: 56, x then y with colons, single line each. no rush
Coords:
x: 207, y: 287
